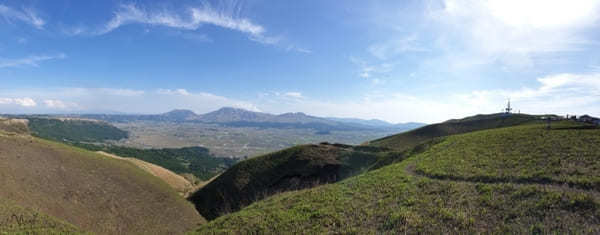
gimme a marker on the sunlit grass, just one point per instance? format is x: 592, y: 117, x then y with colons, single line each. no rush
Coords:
x: 395, y: 200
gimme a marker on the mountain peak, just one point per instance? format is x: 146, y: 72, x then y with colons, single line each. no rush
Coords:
x: 296, y: 114
x: 180, y: 115
x: 230, y: 114
x: 231, y: 110
x: 180, y: 112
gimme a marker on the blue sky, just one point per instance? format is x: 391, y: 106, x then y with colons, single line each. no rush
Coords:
x: 398, y: 61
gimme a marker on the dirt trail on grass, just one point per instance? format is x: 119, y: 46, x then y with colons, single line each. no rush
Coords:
x: 176, y: 181
x: 545, y: 183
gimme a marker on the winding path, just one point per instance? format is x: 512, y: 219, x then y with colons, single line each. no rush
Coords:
x: 544, y: 183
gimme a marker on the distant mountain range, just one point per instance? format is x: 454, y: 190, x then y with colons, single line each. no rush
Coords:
x: 243, y: 118
x: 378, y: 123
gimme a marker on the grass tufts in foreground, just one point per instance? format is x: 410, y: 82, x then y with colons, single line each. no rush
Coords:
x: 18, y: 220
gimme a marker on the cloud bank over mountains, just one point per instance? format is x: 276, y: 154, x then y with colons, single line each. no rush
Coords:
x: 559, y: 94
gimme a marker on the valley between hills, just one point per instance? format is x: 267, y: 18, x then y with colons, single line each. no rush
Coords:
x: 496, y: 173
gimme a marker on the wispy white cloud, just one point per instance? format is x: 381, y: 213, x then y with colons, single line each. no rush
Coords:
x: 183, y: 92
x: 391, y: 48
x: 59, y: 104
x: 73, y: 30
x: 29, y: 61
x: 119, y: 92
x: 192, y: 19
x: 298, y: 49
x: 372, y: 71
x: 296, y: 95
x: 25, y: 15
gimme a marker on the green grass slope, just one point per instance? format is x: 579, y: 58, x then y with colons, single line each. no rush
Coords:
x: 567, y: 154
x: 398, y: 198
x: 290, y: 169
x: 91, y: 191
x: 18, y: 220
x: 410, y: 139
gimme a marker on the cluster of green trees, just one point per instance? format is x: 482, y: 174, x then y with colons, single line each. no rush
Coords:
x: 74, y: 130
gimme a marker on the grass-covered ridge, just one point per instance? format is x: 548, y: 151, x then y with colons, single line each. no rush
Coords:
x: 93, y: 192
x: 568, y: 153
x: 290, y: 169
x: 396, y: 199
x: 408, y: 140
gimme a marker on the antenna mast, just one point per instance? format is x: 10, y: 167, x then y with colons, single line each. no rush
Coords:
x: 508, y: 108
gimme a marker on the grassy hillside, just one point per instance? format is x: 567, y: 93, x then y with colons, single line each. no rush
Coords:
x: 177, y: 182
x: 74, y: 130
x: 193, y: 160
x: 568, y: 154
x: 458, y: 197
x: 408, y: 140
x: 18, y: 126
x: 18, y: 220
x: 93, y: 192
x: 291, y: 169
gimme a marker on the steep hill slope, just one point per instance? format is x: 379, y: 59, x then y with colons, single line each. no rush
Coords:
x: 410, y: 139
x: 91, y: 191
x: 177, y: 182
x: 189, y: 160
x: 291, y: 169
x: 480, y: 182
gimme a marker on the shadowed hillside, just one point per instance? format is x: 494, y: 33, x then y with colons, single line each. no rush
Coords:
x: 294, y: 168
x: 91, y: 191
x: 522, y: 179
